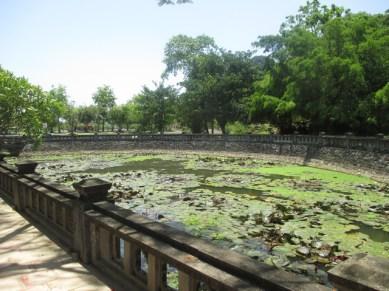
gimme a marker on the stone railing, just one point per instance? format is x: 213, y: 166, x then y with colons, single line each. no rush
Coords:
x: 131, y: 249
x: 372, y: 144
x: 377, y: 143
x: 141, y: 254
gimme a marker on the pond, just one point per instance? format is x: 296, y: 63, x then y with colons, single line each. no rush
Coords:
x: 294, y: 217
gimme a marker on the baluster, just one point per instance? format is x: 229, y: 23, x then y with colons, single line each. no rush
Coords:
x: 45, y: 206
x: 127, y: 264
x: 63, y: 217
x: 16, y: 193
x: 95, y: 247
x: 185, y: 282
x: 29, y: 198
x: 54, y: 211
x: 105, y: 244
x: 154, y: 274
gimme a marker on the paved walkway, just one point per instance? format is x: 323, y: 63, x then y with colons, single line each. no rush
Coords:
x: 31, y: 261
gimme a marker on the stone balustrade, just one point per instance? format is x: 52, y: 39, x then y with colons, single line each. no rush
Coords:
x: 131, y: 249
x: 377, y: 143
x: 190, y: 141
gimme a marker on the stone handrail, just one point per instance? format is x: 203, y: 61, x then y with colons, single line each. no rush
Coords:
x: 131, y: 249
x: 373, y: 144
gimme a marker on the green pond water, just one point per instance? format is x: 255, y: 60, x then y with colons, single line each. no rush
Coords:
x: 299, y: 218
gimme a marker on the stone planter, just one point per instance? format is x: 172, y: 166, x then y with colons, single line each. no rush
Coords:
x: 26, y: 167
x: 93, y: 190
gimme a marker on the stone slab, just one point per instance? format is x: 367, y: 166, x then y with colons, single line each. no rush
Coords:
x: 361, y: 272
x: 31, y: 261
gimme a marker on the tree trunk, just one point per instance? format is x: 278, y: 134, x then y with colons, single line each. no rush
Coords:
x: 222, y: 124
x: 206, y: 127
x: 58, y: 126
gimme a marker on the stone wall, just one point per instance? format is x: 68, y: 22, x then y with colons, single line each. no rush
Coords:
x: 348, y: 157
x: 359, y: 159
x: 365, y: 153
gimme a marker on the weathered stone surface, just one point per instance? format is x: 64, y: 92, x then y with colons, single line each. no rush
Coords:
x: 364, y: 153
x: 266, y: 276
x: 31, y: 261
x: 361, y: 272
x: 26, y: 167
x: 93, y: 190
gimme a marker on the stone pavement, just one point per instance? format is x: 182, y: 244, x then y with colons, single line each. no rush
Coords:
x: 31, y: 261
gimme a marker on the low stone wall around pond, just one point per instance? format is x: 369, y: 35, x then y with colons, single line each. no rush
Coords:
x: 365, y: 153
x: 365, y: 160
x: 347, y: 157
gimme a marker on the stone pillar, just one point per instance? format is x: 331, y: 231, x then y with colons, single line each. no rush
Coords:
x: 23, y: 168
x: 379, y: 137
x: 90, y: 191
x: 348, y: 137
x: 322, y: 138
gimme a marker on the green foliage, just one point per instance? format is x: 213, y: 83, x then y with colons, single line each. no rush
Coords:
x: 237, y: 127
x: 323, y: 71
x: 131, y: 115
x: 117, y: 116
x: 381, y: 102
x: 216, y: 82
x: 86, y: 115
x: 23, y: 106
x: 104, y: 98
x: 71, y: 117
x: 181, y: 51
x: 58, y: 107
x: 156, y: 108
x: 124, y: 115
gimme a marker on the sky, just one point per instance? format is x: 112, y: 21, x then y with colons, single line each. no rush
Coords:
x: 83, y: 44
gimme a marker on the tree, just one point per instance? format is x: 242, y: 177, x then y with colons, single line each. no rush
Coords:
x: 117, y: 116
x: 220, y: 82
x: 104, y: 98
x: 86, y: 115
x: 23, y: 106
x: 131, y: 114
x: 71, y: 116
x: 323, y: 70
x: 215, y: 81
x: 156, y: 107
x: 264, y: 107
x: 181, y: 51
x: 58, y: 107
x: 381, y: 102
